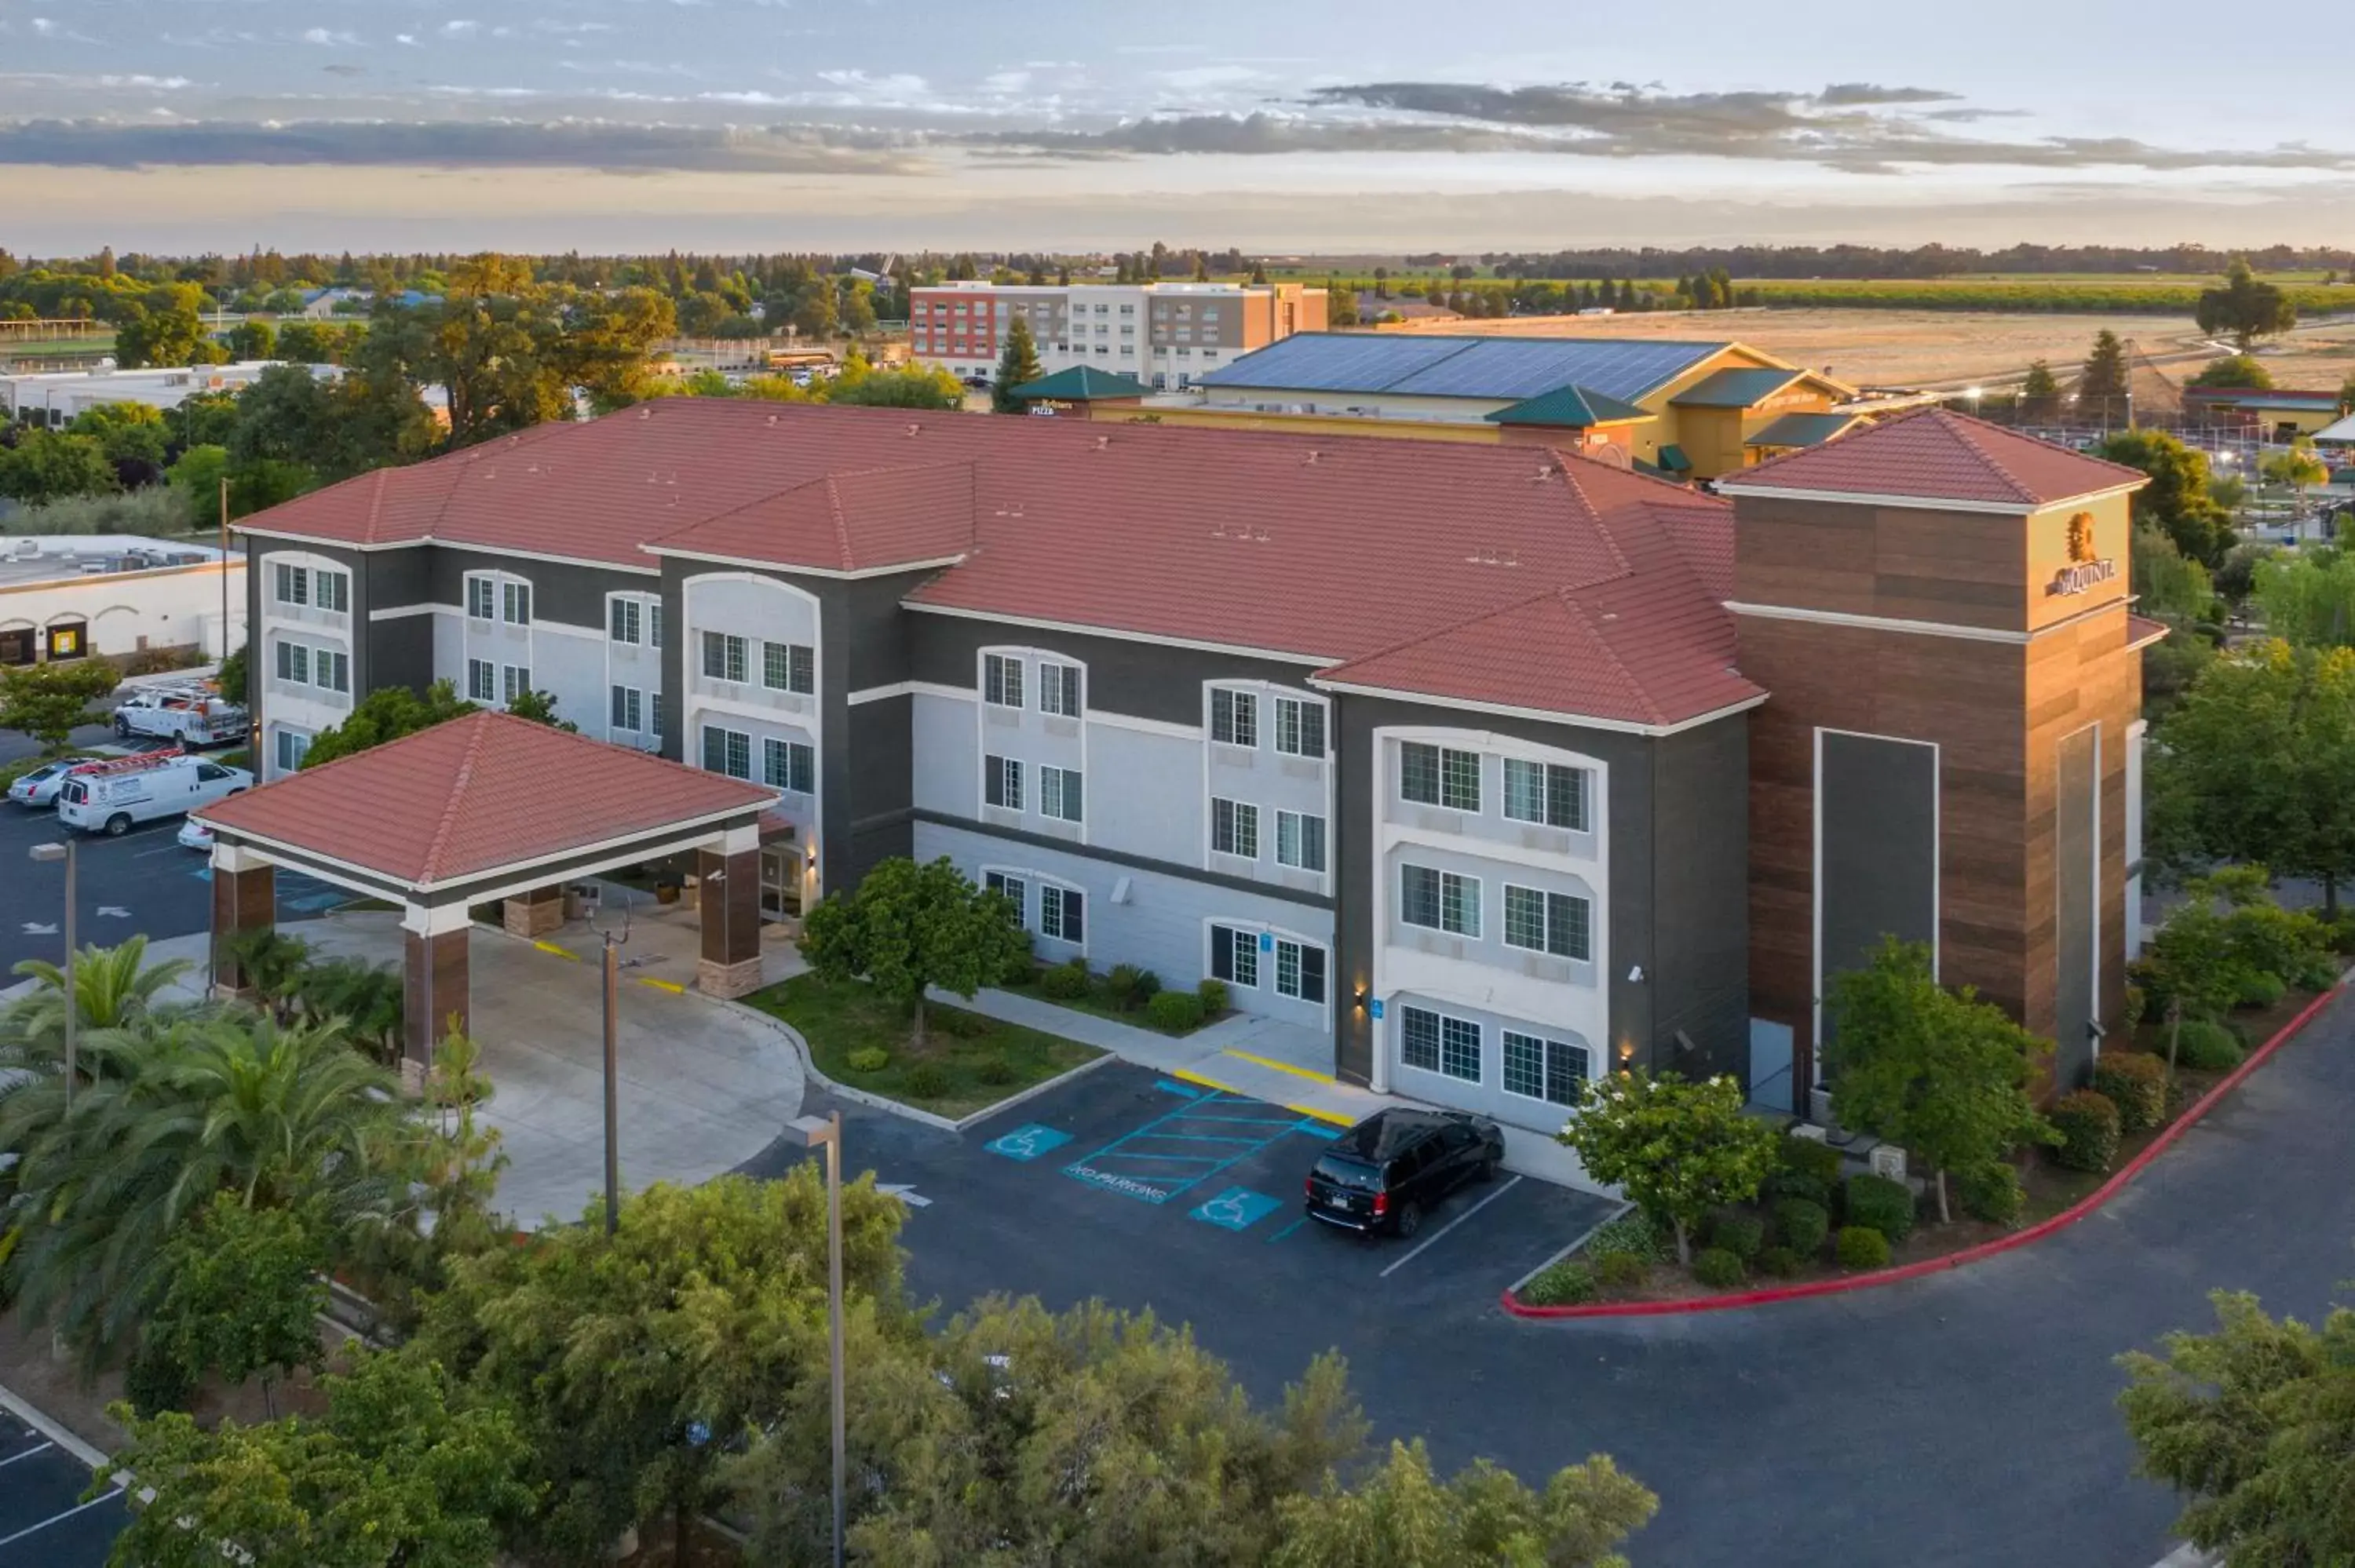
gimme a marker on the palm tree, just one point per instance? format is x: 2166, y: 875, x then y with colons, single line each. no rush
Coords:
x: 115, y: 987
x: 219, y: 1102
x: 369, y: 998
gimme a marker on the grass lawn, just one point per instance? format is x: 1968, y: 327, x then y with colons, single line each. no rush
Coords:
x: 967, y: 1062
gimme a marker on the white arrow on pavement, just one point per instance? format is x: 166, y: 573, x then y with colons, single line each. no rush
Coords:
x: 905, y: 1193
x: 115, y: 910
x: 35, y: 928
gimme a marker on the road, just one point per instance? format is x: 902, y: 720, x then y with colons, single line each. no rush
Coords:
x: 44, y: 1523
x: 1965, y: 1419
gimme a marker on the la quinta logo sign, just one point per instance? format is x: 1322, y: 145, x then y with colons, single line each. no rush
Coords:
x: 2084, y: 568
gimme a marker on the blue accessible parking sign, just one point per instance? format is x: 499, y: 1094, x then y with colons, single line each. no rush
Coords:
x: 1027, y: 1142
x: 1237, y: 1209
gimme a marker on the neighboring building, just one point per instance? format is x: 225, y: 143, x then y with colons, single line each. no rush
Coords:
x: 53, y: 397
x: 1454, y: 755
x: 1686, y: 409
x: 1165, y: 334
x: 2277, y: 414
x: 69, y: 596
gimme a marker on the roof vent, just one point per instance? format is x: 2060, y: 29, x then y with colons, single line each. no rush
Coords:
x: 645, y: 410
x: 913, y: 426
x: 1102, y: 442
x: 772, y: 420
x: 1310, y: 460
x: 1546, y: 471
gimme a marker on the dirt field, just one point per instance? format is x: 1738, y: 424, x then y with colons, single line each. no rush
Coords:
x: 1939, y: 348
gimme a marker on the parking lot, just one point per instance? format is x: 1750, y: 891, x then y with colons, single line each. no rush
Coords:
x: 1151, y: 1192
x: 44, y: 1523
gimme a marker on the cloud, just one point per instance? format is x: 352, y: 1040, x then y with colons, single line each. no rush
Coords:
x: 1855, y: 93
x: 408, y: 38
x: 900, y: 82
x: 459, y: 27
x: 345, y: 69
x: 580, y: 145
x: 328, y: 39
x: 137, y: 81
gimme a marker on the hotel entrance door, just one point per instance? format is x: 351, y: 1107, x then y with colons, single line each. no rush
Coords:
x: 780, y: 882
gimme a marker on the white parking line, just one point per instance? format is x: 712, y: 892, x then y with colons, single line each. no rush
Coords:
x: 59, y: 1518
x: 1580, y: 1240
x: 1450, y: 1225
x: 37, y: 1448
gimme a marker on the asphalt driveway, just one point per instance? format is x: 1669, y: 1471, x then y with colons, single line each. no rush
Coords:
x: 44, y: 1523
x: 1965, y: 1419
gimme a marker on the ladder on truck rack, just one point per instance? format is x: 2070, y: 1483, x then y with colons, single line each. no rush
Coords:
x: 108, y: 767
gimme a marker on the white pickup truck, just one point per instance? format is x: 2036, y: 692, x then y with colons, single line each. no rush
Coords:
x: 193, y: 714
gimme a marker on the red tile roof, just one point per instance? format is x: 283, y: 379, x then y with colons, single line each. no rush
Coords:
x: 1938, y: 455
x: 475, y: 794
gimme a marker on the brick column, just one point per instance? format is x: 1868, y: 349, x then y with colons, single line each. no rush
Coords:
x: 537, y: 913
x: 245, y: 898
x: 434, y: 982
x: 728, y: 887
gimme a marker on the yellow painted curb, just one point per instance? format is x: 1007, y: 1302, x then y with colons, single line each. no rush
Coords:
x: 1335, y: 1118
x: 671, y: 986
x: 1275, y: 1067
x: 1207, y: 1083
x: 560, y: 952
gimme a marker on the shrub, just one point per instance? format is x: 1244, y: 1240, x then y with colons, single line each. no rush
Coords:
x: 2265, y: 938
x: 1883, y: 1204
x: 2208, y: 1047
x: 1064, y: 982
x: 1991, y: 1193
x: 994, y: 1070
x: 958, y: 1024
x: 1148, y: 986
x: 2088, y: 1125
x: 2319, y: 974
x: 926, y: 1081
x: 1174, y: 1010
x: 1020, y: 971
x: 2260, y: 989
x: 1717, y: 1269
x: 869, y: 1059
x: 1802, y: 1225
x: 155, y: 1382
x: 2137, y: 1003
x: 1620, y: 1270
x: 1124, y: 985
x: 2137, y: 1084
x: 1862, y: 1247
x: 1738, y: 1233
x: 1794, y: 1186
x: 1631, y: 1232
x: 2340, y: 934
x: 1780, y: 1261
x: 1562, y: 1284
x: 1809, y: 1156
x: 1213, y: 993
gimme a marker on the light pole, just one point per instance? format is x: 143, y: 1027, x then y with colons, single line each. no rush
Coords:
x: 65, y: 852
x: 613, y: 965
x: 827, y: 1131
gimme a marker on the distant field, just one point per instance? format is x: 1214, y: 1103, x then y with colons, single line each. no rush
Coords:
x: 2069, y: 294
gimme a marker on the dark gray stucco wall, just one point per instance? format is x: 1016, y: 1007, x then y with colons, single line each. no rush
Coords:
x: 876, y: 801
x: 1679, y: 867
x: 1143, y: 679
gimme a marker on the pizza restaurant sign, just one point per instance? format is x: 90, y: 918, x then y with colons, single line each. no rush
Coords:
x: 2084, y: 569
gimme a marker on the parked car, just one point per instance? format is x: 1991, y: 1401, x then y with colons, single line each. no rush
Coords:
x: 1392, y: 1168
x: 194, y: 836
x: 113, y: 796
x: 40, y: 786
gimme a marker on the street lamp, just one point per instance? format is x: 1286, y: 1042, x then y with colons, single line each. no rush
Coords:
x: 48, y: 853
x: 826, y: 1130
x: 613, y: 965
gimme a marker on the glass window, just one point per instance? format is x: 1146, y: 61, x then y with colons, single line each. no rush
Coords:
x: 1001, y: 680
x: 727, y: 751
x: 333, y: 670
x: 1060, y: 793
x: 627, y: 709
x: 515, y: 603
x: 1234, y: 828
x: 1419, y: 1038
x: 294, y: 584
x: 1234, y: 717
x: 1063, y: 914
x: 1299, y: 727
x: 333, y: 591
x: 482, y: 681
x: 723, y: 656
x: 1459, y: 1049
x: 514, y: 680
x: 1439, y: 900
x: 293, y: 662
x: 1545, y: 792
x: 1459, y: 781
x: 1436, y: 776
x: 627, y: 620
x: 789, y: 765
x: 1016, y: 893
x: 789, y: 667
x: 1059, y: 689
x: 1552, y: 1070
x: 1300, y: 840
x: 292, y: 746
x: 1001, y: 782
x: 654, y: 624
x: 1556, y: 923
x: 1234, y: 956
x: 1299, y: 970
x: 480, y: 599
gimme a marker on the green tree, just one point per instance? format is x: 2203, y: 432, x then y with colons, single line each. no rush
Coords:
x: 204, y: 418
x: 815, y: 315
x: 609, y: 339
x: 401, y: 1472
x: 308, y: 343
x: 168, y: 337
x: 244, y: 1296
x: 2040, y: 395
x: 2256, y: 764
x: 2166, y: 585
x: 196, y: 478
x: 908, y: 927
x: 634, y: 1361
x: 2176, y: 500
x: 125, y: 433
x: 1402, y: 1516
x: 540, y: 708
x: 1018, y: 366
x: 114, y: 989
x: 2298, y: 467
x: 2235, y: 371
x: 46, y: 702
x: 1677, y: 1149
x: 2346, y: 394
x: 2103, y: 394
x: 253, y: 340
x: 2255, y: 1425
x: 1340, y: 303
x: 385, y: 714
x: 2190, y: 960
x: 908, y: 386
x: 1940, y: 1072
x: 2244, y: 307
x: 50, y: 465
x: 2307, y: 597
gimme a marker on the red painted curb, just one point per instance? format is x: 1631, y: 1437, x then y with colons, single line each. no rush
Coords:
x: 2037, y: 1231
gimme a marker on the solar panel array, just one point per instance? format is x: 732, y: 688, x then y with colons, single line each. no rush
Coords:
x: 1496, y: 367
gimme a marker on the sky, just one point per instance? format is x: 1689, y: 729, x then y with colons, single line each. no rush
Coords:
x: 1275, y: 126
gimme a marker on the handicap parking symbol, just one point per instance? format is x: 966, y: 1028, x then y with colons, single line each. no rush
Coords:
x: 1237, y: 1209
x: 1027, y: 1142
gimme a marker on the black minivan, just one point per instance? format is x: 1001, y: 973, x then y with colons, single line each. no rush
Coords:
x: 1393, y: 1168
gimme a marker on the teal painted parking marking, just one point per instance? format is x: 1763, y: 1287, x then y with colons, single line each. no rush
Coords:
x: 1287, y: 1230
x: 1167, y: 1088
x: 1186, y: 1145
x: 1237, y: 1209
x: 1027, y: 1142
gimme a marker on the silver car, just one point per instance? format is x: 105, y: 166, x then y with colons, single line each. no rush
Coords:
x: 39, y: 787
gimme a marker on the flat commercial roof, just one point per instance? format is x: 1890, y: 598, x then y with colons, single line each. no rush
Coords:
x: 1501, y: 369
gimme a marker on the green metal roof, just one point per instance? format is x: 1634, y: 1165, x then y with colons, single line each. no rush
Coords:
x: 1673, y: 459
x: 1802, y: 430
x: 1733, y: 389
x: 1082, y: 383
x: 1572, y: 406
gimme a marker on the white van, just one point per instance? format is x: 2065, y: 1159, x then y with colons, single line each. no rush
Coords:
x: 110, y: 797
